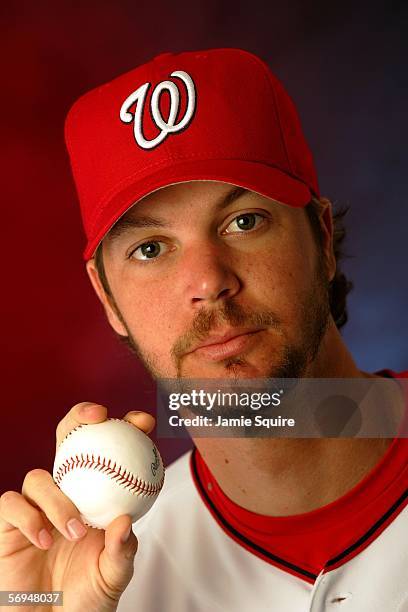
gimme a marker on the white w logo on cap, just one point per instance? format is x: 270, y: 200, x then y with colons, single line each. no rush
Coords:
x: 165, y: 127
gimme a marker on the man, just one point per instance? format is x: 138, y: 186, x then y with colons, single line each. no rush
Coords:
x: 215, y: 257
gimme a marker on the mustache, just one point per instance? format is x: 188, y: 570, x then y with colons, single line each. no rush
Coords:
x: 209, y: 320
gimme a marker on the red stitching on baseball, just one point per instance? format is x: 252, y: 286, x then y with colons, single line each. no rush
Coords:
x: 128, y: 481
x: 123, y: 477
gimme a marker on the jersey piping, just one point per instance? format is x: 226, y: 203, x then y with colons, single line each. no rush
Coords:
x: 321, y: 540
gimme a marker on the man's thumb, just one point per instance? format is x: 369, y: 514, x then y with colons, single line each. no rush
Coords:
x: 116, y: 559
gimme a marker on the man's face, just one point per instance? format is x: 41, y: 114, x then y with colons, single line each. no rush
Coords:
x: 204, y: 262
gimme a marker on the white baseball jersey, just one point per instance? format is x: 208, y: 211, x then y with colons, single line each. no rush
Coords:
x: 201, y: 552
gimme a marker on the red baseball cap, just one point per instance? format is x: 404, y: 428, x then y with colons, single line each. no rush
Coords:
x: 215, y: 115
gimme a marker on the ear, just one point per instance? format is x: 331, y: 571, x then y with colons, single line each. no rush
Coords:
x: 111, y: 312
x: 327, y: 225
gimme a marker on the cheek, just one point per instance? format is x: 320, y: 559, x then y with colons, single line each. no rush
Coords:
x: 149, y: 310
x: 279, y: 279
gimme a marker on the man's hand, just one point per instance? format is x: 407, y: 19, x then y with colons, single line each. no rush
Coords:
x: 44, y: 546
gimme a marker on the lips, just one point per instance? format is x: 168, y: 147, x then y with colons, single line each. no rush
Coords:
x: 225, y: 345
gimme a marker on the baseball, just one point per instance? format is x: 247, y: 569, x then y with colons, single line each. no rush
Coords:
x: 108, y: 469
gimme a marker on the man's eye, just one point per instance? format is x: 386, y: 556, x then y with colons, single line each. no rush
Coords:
x: 244, y: 222
x: 149, y: 250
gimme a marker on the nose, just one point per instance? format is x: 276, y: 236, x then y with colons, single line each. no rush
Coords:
x: 209, y: 276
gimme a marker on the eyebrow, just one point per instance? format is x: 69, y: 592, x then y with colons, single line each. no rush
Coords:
x: 127, y: 223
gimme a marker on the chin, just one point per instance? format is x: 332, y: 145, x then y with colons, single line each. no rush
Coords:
x: 230, y: 368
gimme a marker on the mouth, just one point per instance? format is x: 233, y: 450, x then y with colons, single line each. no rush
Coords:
x: 227, y: 345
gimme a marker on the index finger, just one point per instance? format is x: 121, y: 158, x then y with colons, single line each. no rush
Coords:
x: 80, y: 414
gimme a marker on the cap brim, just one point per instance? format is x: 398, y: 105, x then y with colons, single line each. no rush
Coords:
x: 261, y: 178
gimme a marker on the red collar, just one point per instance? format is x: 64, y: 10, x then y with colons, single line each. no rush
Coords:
x: 325, y: 538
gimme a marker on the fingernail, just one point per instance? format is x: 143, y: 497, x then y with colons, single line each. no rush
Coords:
x: 45, y: 538
x: 75, y: 528
x: 86, y: 408
x: 126, y: 535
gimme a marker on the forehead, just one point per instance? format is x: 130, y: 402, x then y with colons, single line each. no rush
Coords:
x: 165, y: 207
x: 189, y: 192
